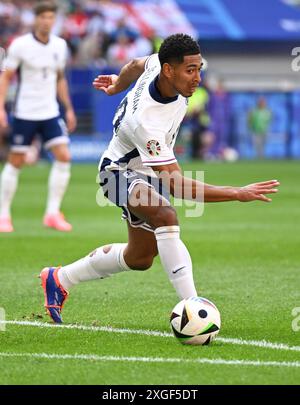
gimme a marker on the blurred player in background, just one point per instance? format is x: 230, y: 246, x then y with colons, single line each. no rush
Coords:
x: 259, y: 121
x: 39, y: 58
x: 145, y: 128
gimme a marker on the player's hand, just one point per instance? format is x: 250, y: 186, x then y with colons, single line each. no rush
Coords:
x: 3, y: 119
x: 258, y: 191
x: 71, y: 120
x: 106, y: 83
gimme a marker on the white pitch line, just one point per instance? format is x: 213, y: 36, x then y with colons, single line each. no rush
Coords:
x: 259, y: 343
x: 234, y: 341
x: 94, y: 357
x: 89, y: 328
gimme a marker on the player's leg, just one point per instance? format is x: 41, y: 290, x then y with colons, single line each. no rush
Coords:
x: 59, y: 178
x: 110, y: 259
x: 141, y: 248
x: 258, y: 145
x: 147, y: 204
x: 261, y: 145
x: 20, y: 139
x: 8, y: 187
x: 103, y: 262
x: 56, y: 139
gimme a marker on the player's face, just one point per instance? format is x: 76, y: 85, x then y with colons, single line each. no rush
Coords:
x: 186, y: 75
x: 44, y: 22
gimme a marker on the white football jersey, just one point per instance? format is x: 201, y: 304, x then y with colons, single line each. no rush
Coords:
x: 145, y: 125
x: 37, y: 64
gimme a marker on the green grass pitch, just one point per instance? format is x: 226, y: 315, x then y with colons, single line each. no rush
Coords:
x: 246, y: 260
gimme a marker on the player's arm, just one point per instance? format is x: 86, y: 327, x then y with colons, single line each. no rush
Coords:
x: 64, y: 97
x: 187, y: 188
x: 114, y: 84
x: 5, y: 79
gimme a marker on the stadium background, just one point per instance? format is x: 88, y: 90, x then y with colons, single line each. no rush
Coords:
x: 248, y: 47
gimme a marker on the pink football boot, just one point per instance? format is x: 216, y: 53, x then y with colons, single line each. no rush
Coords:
x: 6, y: 224
x: 57, y: 221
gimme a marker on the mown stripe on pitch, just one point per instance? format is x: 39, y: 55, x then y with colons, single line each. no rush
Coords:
x: 234, y: 341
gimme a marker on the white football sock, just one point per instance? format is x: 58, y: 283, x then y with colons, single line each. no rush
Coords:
x: 8, y: 187
x: 176, y: 260
x: 57, y: 184
x: 97, y: 264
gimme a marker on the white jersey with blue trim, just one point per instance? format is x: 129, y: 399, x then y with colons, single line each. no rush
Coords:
x: 37, y: 64
x: 145, y: 125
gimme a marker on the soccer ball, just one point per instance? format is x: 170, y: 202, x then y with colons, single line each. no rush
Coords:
x: 230, y: 155
x: 195, y: 321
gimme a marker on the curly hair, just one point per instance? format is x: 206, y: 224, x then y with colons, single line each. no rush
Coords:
x: 175, y: 47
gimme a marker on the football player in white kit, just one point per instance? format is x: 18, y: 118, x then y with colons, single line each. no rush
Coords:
x: 132, y: 174
x: 39, y: 58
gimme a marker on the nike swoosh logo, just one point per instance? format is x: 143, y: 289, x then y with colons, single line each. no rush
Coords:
x: 176, y: 271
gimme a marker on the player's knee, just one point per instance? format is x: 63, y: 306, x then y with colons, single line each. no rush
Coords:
x: 143, y: 263
x: 61, y: 153
x: 17, y: 159
x: 166, y: 216
x: 64, y: 157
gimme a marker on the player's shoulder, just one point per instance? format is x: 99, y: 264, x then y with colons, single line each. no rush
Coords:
x: 20, y: 41
x: 58, y: 41
x: 152, y: 61
x: 157, y: 114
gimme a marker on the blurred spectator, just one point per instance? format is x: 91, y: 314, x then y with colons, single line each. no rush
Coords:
x: 96, y: 23
x: 75, y: 27
x: 259, y: 120
x: 121, y: 52
x: 123, y: 30
x: 26, y: 14
x: 218, y: 107
x: 198, y: 120
x: 113, y: 12
x: 94, y: 27
x: 143, y: 46
x: 10, y: 23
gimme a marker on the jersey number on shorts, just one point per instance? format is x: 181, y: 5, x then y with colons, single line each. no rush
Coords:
x: 120, y: 115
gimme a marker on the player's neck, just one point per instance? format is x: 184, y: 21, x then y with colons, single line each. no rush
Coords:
x: 164, y: 88
x: 41, y: 37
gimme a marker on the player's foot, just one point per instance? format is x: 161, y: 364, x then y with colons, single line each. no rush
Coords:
x: 55, y: 294
x: 6, y: 225
x: 57, y: 221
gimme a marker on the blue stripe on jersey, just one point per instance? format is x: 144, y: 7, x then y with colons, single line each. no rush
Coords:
x: 155, y: 94
x: 124, y: 159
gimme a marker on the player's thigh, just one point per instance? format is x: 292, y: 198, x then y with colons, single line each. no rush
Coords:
x: 147, y: 204
x: 21, y: 137
x: 55, y: 137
